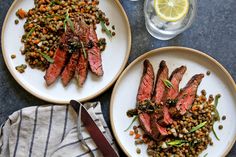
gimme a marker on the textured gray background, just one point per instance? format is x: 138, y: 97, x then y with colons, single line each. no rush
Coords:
x: 213, y: 32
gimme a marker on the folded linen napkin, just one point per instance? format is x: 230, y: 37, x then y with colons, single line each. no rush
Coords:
x: 49, y: 131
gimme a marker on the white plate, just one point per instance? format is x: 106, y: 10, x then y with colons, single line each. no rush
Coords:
x: 125, y: 90
x: 114, y: 57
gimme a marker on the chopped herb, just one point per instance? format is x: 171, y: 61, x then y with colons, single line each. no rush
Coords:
x: 69, y: 22
x: 176, y: 143
x: 104, y: 28
x: 49, y: 59
x: 134, y: 119
x: 30, y: 32
x: 83, y: 49
x: 205, y: 155
x: 198, y: 127
x: 167, y: 83
x: 213, y: 130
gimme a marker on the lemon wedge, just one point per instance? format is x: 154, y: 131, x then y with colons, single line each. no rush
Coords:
x: 171, y: 10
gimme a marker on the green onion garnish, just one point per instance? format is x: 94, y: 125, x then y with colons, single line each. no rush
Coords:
x: 167, y: 83
x: 30, y: 32
x: 176, y: 142
x: 205, y: 155
x: 134, y: 119
x: 198, y: 127
x: 215, y: 107
x: 49, y: 59
x: 213, y: 130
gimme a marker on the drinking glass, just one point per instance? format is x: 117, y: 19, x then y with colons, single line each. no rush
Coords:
x: 165, y: 30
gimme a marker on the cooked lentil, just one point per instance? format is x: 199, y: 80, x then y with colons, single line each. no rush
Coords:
x: 138, y: 150
x: 13, y: 56
x: 220, y: 127
x: 208, y: 73
x: 224, y: 117
x: 21, y: 68
x: 45, y: 25
x: 16, y: 21
x: 185, y: 142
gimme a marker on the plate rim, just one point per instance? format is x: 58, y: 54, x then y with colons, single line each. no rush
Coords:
x: 149, y: 53
x: 99, y: 92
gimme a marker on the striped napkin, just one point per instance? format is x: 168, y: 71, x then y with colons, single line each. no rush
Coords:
x: 49, y: 131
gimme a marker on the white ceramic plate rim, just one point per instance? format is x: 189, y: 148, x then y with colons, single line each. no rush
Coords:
x: 12, y: 71
x: 150, y: 53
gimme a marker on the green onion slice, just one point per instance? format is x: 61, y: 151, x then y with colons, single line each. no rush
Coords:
x: 213, y: 130
x: 49, y: 59
x: 177, y: 142
x: 198, y: 127
x: 134, y: 119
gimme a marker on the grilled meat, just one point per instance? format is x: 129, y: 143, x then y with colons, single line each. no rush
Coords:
x: 69, y: 70
x: 54, y: 70
x: 94, y: 54
x: 175, y: 79
x: 147, y: 83
x: 81, y: 70
x: 188, y: 94
x: 144, y: 93
x: 159, y: 90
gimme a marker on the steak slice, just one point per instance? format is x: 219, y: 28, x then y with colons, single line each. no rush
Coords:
x: 54, y: 69
x: 159, y: 93
x: 175, y: 79
x: 188, y: 93
x: 94, y: 54
x: 81, y: 70
x: 146, y: 83
x: 144, y: 93
x: 69, y: 70
x: 159, y: 90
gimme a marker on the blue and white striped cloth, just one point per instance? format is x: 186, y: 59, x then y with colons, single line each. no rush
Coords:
x: 49, y: 131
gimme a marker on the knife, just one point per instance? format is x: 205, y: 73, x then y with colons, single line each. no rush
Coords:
x: 100, y: 140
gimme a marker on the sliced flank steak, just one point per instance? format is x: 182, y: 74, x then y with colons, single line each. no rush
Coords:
x: 188, y: 93
x: 158, y: 94
x: 60, y: 57
x: 94, y: 53
x: 81, y: 70
x: 144, y: 94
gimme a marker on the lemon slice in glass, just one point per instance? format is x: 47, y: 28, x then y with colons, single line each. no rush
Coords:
x: 171, y: 10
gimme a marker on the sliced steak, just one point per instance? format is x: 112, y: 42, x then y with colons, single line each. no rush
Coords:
x: 81, y: 70
x: 54, y: 70
x: 188, y: 93
x: 94, y: 54
x: 159, y: 90
x: 69, y: 70
x: 144, y: 93
x: 146, y: 83
x: 175, y: 79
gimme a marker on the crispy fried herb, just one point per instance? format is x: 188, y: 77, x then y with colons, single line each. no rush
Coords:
x: 104, y: 28
x: 213, y: 130
x: 177, y: 143
x: 134, y: 119
x: 198, y: 127
x: 49, y: 59
x: 167, y: 83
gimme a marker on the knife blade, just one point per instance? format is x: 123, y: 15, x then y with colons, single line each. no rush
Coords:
x: 100, y: 140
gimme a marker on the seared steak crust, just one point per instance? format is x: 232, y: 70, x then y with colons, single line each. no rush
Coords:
x: 81, y: 70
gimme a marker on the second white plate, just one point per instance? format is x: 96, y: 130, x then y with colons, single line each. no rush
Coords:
x: 125, y: 91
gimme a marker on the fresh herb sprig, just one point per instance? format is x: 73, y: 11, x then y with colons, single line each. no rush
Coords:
x: 198, y: 127
x: 134, y: 119
x: 213, y: 130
